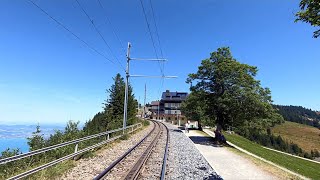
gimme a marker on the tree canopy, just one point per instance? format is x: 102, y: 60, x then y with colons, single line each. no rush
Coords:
x: 310, y: 13
x: 112, y: 115
x: 225, y: 92
x: 299, y: 114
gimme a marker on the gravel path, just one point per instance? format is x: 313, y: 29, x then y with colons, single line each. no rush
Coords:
x: 185, y: 161
x: 91, y: 167
x: 228, y: 164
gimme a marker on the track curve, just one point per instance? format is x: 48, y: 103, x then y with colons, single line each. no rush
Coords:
x: 136, y: 164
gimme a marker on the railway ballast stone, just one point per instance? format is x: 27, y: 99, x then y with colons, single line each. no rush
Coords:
x: 93, y: 166
x: 185, y: 161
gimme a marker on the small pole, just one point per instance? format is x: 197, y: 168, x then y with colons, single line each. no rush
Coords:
x: 158, y: 110
x: 76, y: 148
x: 145, y: 92
x: 75, y: 151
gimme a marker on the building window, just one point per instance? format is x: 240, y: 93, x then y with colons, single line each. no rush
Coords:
x: 169, y: 118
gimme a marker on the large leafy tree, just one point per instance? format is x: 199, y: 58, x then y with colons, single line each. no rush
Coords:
x: 310, y: 13
x: 195, y: 108
x: 226, y: 92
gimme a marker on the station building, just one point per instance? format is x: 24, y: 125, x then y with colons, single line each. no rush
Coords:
x: 169, y: 108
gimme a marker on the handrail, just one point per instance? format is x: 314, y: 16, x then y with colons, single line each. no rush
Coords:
x: 49, y: 148
x: 44, y: 166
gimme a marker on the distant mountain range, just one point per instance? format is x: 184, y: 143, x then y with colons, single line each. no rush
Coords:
x: 299, y: 114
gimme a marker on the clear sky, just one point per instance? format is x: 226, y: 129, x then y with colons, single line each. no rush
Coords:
x: 49, y: 76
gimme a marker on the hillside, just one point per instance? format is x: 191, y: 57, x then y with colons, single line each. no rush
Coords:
x: 299, y: 114
x: 307, y: 137
x: 297, y: 165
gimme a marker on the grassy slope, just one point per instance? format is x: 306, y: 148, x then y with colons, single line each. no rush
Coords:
x: 300, y: 166
x: 307, y: 137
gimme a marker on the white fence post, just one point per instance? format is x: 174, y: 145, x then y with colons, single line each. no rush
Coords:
x: 76, y: 148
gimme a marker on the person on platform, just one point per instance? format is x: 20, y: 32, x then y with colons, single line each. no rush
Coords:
x: 186, y: 127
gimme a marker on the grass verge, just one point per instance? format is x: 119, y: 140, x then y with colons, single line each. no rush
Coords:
x: 273, y: 170
x: 300, y: 166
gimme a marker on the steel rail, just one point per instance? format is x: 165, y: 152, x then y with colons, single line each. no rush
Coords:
x: 49, y: 148
x: 136, y: 169
x: 165, y: 156
x: 110, y: 167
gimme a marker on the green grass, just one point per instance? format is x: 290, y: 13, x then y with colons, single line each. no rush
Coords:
x: 54, y: 171
x: 300, y: 166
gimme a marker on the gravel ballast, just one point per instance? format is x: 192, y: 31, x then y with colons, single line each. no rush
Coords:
x: 185, y: 161
x: 91, y: 167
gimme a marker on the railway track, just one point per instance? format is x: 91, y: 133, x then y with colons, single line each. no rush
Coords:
x: 145, y: 160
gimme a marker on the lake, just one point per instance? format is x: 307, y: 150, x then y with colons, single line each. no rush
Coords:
x: 15, y: 136
x: 20, y: 143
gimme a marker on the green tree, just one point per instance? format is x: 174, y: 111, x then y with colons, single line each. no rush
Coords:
x: 71, y: 131
x: 6, y: 170
x: 195, y: 109
x: 310, y: 13
x: 96, y: 125
x: 229, y: 93
x: 114, y: 104
x: 36, y: 141
x: 112, y: 115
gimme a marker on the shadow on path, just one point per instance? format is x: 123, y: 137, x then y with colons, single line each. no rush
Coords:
x: 208, y: 141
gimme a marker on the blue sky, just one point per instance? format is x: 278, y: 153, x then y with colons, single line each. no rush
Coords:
x: 49, y: 76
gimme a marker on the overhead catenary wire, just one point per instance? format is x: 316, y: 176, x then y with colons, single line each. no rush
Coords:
x: 150, y: 33
x: 153, y: 43
x: 159, y: 42
x: 72, y: 33
x: 113, y: 28
x: 156, y: 27
x: 101, y: 36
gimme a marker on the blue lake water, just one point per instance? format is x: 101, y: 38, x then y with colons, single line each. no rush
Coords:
x: 15, y: 136
x: 20, y: 143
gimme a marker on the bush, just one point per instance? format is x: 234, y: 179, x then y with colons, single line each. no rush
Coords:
x: 124, y: 137
x: 145, y: 123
